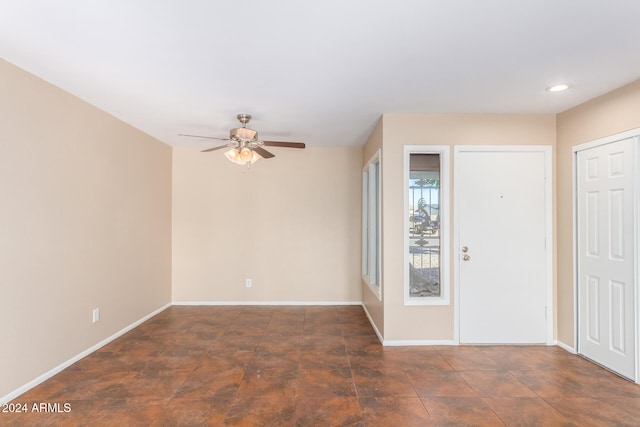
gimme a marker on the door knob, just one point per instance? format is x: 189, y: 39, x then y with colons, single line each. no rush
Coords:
x: 465, y: 249
x: 466, y: 257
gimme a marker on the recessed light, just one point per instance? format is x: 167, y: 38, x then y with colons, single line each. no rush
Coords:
x: 558, y: 88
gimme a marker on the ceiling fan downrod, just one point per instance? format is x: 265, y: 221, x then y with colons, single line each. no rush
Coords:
x: 244, y: 119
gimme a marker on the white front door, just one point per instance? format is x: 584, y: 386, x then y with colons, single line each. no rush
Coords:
x: 502, y: 229
x: 605, y: 238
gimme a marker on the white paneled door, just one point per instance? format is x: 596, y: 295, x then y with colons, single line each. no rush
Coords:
x: 605, y: 240
x: 502, y: 214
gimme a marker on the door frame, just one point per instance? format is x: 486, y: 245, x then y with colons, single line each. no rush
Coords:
x: 635, y: 134
x: 548, y: 214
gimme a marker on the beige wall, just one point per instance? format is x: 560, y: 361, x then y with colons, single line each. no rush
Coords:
x: 85, y: 217
x: 291, y: 224
x: 373, y: 305
x: 609, y: 114
x: 435, y: 323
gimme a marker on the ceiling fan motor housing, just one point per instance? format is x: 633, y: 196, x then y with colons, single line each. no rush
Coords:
x: 243, y: 134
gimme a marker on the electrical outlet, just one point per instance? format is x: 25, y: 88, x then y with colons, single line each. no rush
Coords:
x: 96, y: 315
x: 247, y: 283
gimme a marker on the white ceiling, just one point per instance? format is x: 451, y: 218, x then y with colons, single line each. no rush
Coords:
x: 320, y: 72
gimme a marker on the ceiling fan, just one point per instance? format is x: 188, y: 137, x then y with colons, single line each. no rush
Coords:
x: 246, y: 147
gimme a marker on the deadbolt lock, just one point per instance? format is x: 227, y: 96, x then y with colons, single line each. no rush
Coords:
x: 465, y: 249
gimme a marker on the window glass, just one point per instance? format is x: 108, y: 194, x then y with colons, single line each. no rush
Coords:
x: 371, y: 224
x: 424, y: 225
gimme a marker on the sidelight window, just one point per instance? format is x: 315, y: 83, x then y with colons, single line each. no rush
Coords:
x: 371, y: 224
x: 426, y: 224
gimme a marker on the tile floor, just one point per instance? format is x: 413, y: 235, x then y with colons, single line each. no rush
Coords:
x: 320, y: 366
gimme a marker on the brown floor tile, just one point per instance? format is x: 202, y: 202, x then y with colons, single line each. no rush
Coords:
x: 574, y: 382
x: 80, y: 386
x: 363, y: 343
x: 277, y: 352
x: 321, y: 383
x: 334, y: 357
x: 628, y: 405
x: 464, y: 358
x: 215, y: 385
x: 101, y: 361
x: 289, y: 315
x: 276, y: 343
x: 320, y: 328
x: 515, y: 357
x: 321, y: 314
x: 54, y: 385
x: 549, y: 383
x: 527, y: 412
x: 424, y: 358
x: 257, y: 316
x: 173, y: 361
x: 79, y: 412
x: 206, y: 333
x: 273, y: 383
x: 357, y: 329
x: 383, y: 382
x: 320, y: 365
x: 284, y: 329
x: 221, y: 360
x: 430, y: 383
x: 375, y: 359
x: 603, y: 383
x: 348, y: 313
x: 86, y: 413
x: 248, y: 330
x: 132, y: 347
x: 461, y: 411
x: 394, y: 412
x: 328, y: 412
x: 322, y: 342
x: 231, y: 342
x: 260, y: 412
x: 144, y: 414
x: 585, y: 411
x: 193, y: 412
x: 147, y: 387
x: 369, y: 353
x: 184, y: 341
x: 496, y: 384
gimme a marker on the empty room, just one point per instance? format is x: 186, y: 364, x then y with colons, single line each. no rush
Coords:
x: 286, y: 213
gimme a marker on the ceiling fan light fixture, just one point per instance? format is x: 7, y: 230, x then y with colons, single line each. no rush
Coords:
x: 242, y: 157
x: 233, y: 155
x: 246, y: 154
x: 255, y: 157
x: 247, y: 149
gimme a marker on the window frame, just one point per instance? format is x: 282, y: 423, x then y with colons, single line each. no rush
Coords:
x: 445, y: 226
x: 372, y: 224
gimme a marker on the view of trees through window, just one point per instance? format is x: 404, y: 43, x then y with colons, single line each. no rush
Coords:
x: 424, y: 225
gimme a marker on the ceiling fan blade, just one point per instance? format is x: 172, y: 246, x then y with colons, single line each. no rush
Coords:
x: 284, y: 144
x: 216, y: 148
x: 207, y: 137
x: 264, y: 153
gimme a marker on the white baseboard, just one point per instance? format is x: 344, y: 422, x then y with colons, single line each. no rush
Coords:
x: 394, y: 343
x: 566, y: 347
x: 28, y: 386
x: 373, y: 324
x: 267, y: 303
